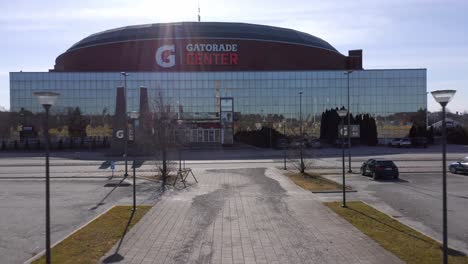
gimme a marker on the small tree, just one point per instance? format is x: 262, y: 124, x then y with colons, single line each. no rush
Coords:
x: 76, y: 123
x: 301, y: 159
x: 163, y: 124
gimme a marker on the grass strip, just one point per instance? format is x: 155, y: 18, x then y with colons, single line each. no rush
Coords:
x: 314, y: 182
x: 406, y: 243
x: 94, y: 240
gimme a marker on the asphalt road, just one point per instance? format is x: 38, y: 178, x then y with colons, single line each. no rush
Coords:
x: 73, y: 203
x: 416, y: 200
x: 81, y: 187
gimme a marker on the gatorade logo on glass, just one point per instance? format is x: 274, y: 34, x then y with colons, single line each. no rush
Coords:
x: 119, y: 134
x: 165, y: 56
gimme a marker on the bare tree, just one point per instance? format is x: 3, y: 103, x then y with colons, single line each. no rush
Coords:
x: 163, y: 130
x: 299, y: 155
x: 301, y: 159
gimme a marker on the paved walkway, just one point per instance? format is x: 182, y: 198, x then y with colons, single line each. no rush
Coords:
x: 245, y: 216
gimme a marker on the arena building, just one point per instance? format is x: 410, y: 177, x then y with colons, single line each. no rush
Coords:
x: 273, y: 77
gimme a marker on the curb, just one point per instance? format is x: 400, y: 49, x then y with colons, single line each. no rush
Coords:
x: 57, y: 177
x: 334, y: 191
x: 40, y: 254
x: 416, y: 229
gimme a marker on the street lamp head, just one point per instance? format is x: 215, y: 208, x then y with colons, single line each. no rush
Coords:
x: 342, y: 112
x: 46, y: 98
x: 124, y: 73
x: 443, y: 97
x: 348, y: 72
x: 134, y: 114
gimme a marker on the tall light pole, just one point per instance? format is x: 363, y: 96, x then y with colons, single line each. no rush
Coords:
x: 443, y: 97
x: 302, y: 134
x: 349, y: 126
x: 283, y: 124
x: 180, y: 139
x: 47, y: 100
x: 342, y: 113
x: 134, y: 116
x: 124, y: 74
x: 427, y: 113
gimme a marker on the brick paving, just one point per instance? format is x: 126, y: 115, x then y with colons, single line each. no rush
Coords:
x: 244, y: 216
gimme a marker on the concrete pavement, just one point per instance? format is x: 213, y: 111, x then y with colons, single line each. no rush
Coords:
x: 73, y: 203
x: 245, y: 216
x: 416, y: 201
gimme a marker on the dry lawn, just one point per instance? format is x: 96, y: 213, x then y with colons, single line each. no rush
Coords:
x: 408, y: 244
x: 93, y: 241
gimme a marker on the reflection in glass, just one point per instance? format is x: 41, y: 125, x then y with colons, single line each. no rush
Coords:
x: 395, y: 98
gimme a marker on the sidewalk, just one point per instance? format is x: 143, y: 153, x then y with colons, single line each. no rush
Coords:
x: 244, y: 216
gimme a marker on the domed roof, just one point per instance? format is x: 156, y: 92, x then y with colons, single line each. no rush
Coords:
x: 202, y: 30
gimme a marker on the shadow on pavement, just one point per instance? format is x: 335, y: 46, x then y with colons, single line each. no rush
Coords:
x: 137, y: 163
x: 107, y: 195
x: 105, y: 165
x: 116, y: 257
x: 390, y: 180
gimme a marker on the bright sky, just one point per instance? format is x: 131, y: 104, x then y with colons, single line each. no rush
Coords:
x: 393, y: 34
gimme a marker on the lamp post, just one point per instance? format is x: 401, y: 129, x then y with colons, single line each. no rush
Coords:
x: 134, y: 115
x: 283, y: 125
x: 302, y: 134
x: 47, y: 100
x: 342, y: 113
x: 349, y: 126
x: 443, y: 97
x: 179, y: 138
x: 124, y: 74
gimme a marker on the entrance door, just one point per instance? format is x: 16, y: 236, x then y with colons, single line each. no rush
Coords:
x: 200, y: 136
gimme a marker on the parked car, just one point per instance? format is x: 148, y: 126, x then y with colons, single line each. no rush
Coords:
x: 395, y: 142
x: 460, y: 166
x: 281, y: 143
x: 296, y: 144
x: 379, y: 168
x: 405, y: 143
x: 419, y: 142
x: 339, y: 142
x: 314, y: 143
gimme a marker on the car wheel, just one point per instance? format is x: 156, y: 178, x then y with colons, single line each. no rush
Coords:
x: 453, y: 170
x: 396, y: 177
x: 374, y: 175
x: 362, y: 172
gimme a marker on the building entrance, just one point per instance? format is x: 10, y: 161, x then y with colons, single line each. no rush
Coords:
x: 201, y: 135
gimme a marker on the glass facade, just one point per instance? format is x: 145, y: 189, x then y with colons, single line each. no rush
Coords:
x: 259, y: 97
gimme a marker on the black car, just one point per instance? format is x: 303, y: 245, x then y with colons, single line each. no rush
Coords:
x: 281, y: 143
x: 460, y: 166
x: 379, y: 168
